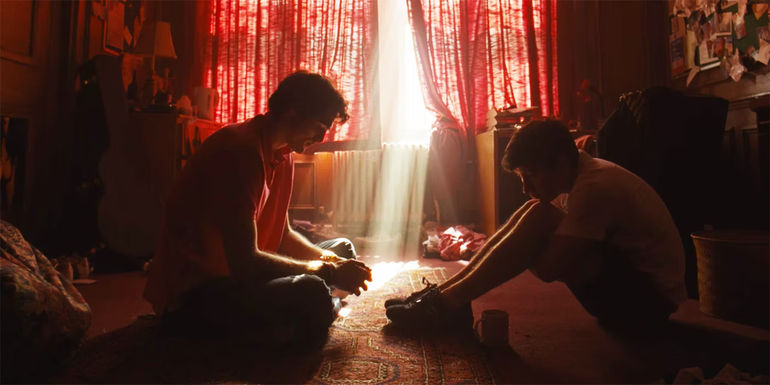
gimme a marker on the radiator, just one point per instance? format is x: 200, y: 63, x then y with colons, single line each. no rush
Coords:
x: 354, y: 179
x: 379, y: 193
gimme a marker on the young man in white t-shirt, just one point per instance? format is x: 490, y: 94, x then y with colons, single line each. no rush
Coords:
x: 590, y: 223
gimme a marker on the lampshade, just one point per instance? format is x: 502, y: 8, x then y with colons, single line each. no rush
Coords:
x: 155, y: 40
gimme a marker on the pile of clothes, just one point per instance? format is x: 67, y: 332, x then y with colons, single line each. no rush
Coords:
x: 453, y: 243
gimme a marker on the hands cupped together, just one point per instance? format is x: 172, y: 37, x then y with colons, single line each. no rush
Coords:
x: 351, y: 275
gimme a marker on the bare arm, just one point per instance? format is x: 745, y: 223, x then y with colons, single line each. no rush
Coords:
x: 511, y: 255
x: 237, y: 194
x: 491, y: 242
x: 247, y: 261
x: 349, y: 275
x: 299, y: 247
x: 503, y: 231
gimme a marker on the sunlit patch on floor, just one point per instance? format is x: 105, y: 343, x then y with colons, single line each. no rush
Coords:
x: 344, y: 312
x: 383, y: 272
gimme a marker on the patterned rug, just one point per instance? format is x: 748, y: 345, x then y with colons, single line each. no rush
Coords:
x: 360, y: 350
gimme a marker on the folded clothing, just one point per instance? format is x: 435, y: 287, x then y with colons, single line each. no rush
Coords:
x: 454, y: 243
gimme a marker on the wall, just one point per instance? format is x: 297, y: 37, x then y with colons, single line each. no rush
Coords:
x: 619, y: 45
x: 33, y: 88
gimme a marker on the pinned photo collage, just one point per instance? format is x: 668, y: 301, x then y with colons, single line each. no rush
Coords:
x: 715, y: 30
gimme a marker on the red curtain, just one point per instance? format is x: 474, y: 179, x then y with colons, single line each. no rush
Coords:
x: 544, y: 20
x: 475, y: 54
x: 256, y: 43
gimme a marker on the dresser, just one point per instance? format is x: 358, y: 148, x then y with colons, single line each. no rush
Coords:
x: 500, y: 193
x: 137, y: 169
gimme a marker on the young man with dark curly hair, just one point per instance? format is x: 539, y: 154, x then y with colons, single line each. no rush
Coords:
x: 590, y: 223
x: 228, y: 262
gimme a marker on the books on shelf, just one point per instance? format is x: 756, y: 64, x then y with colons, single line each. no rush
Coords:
x: 503, y: 119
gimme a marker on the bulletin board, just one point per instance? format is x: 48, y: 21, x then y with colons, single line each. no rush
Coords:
x: 733, y: 34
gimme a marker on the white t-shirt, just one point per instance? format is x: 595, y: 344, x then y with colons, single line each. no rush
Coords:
x: 611, y: 204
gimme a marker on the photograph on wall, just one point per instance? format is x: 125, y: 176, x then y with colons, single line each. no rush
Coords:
x: 725, y: 22
x: 740, y: 26
x: 708, y: 27
x: 734, y: 31
x: 677, y: 45
x: 764, y: 33
x: 729, y: 46
x: 719, y: 47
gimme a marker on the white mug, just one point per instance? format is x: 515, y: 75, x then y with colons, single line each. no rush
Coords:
x: 492, y: 328
x: 206, y: 99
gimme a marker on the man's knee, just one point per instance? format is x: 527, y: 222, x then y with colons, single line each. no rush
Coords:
x: 343, y: 247
x: 314, y: 297
x: 310, y: 287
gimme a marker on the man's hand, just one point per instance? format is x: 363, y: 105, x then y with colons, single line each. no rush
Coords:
x: 330, y: 256
x: 350, y: 275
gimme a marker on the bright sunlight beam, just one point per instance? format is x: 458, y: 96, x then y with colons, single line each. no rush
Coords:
x: 403, y: 115
x: 406, y: 126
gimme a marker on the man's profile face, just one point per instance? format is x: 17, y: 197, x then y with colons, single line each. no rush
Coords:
x: 307, y: 132
x: 540, y: 182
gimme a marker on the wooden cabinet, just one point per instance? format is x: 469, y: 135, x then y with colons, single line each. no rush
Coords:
x: 137, y: 169
x: 312, y: 187
x: 499, y: 192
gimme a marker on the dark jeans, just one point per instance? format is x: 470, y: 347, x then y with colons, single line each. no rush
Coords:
x: 292, y: 310
x: 340, y: 246
x: 624, y: 298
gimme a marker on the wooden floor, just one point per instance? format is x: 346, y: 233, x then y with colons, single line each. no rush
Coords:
x: 552, y: 339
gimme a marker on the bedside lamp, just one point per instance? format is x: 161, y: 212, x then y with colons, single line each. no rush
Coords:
x: 154, y: 41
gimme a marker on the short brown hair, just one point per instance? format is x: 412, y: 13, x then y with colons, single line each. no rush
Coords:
x: 539, y: 144
x: 310, y: 95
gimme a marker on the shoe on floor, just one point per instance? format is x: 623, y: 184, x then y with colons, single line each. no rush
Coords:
x: 422, y: 312
x: 429, y: 312
x: 412, y: 297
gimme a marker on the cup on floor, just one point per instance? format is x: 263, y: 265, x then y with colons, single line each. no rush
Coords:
x: 492, y: 328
